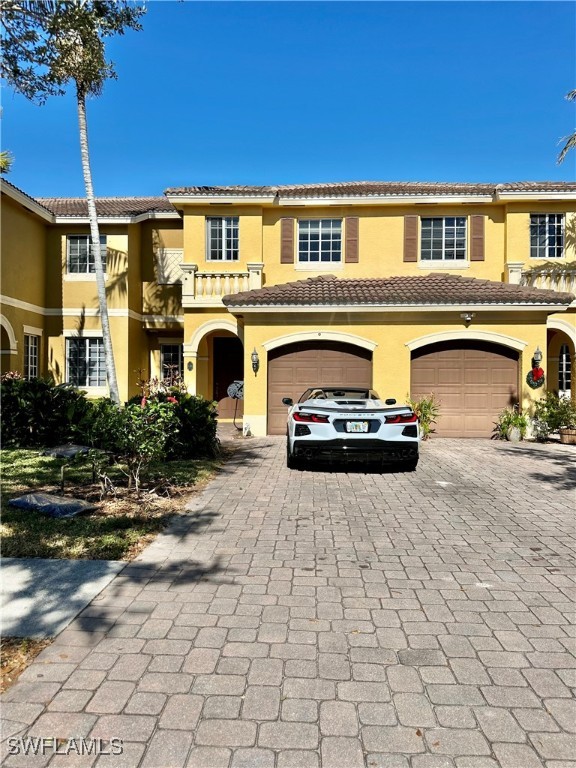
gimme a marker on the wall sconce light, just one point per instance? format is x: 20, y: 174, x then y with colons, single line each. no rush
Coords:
x: 255, y: 361
x: 467, y: 317
x: 537, y: 358
x: 190, y: 365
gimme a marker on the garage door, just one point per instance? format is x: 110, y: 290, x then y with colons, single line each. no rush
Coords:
x: 473, y: 383
x: 295, y: 367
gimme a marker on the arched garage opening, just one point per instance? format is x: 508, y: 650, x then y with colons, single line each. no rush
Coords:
x: 295, y: 367
x: 472, y: 380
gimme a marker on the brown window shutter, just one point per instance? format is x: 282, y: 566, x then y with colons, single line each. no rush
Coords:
x: 351, y: 233
x: 287, y: 241
x: 410, y: 238
x: 477, y: 238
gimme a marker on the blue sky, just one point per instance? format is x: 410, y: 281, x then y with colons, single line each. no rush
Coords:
x: 288, y: 92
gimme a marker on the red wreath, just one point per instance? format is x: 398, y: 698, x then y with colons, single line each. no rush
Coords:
x: 535, y: 377
x: 537, y: 374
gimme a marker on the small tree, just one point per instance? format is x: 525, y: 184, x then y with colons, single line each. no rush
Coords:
x: 48, y: 45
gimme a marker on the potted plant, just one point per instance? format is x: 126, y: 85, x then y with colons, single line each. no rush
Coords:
x: 555, y: 414
x: 511, y: 425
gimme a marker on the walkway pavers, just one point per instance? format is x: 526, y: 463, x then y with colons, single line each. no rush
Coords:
x: 295, y: 619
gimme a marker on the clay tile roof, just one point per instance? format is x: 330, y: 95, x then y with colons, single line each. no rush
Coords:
x: 106, y: 206
x: 429, y: 290
x: 374, y: 188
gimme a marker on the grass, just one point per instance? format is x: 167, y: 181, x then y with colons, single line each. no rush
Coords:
x: 16, y: 653
x: 120, y: 526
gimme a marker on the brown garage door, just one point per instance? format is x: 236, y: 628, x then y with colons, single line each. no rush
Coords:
x: 295, y: 367
x: 472, y: 381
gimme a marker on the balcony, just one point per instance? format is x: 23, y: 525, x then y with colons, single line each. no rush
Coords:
x: 552, y: 277
x: 206, y: 289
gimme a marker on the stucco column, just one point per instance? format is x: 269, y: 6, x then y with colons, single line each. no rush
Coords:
x: 190, y: 369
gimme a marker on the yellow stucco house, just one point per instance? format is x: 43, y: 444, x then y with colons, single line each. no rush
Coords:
x: 410, y: 288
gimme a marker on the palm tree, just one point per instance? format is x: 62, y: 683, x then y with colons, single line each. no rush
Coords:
x: 48, y: 45
x: 571, y: 140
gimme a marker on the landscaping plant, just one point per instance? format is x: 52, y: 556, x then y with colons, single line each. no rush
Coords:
x: 508, y: 419
x: 427, y: 409
x: 552, y: 413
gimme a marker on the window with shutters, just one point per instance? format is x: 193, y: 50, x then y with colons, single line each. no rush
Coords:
x: 79, y: 256
x: 85, y: 365
x: 222, y: 238
x: 443, y: 239
x: 319, y: 241
x: 546, y: 235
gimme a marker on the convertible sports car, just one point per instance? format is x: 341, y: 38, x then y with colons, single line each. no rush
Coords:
x: 350, y: 424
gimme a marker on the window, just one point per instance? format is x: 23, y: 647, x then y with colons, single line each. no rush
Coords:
x: 31, y: 356
x: 171, y: 361
x: 546, y: 235
x: 85, y: 362
x: 564, y: 370
x: 80, y: 260
x: 443, y: 239
x: 319, y: 240
x: 222, y: 238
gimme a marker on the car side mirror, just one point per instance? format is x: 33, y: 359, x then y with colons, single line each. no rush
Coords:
x: 287, y: 401
x: 390, y: 401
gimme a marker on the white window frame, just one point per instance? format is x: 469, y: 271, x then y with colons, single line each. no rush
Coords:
x: 163, y: 372
x: 90, y: 268
x: 89, y: 341
x: 334, y: 239
x: 448, y: 242
x: 543, y: 250
x: 229, y: 234
x: 564, y: 371
x: 32, y: 343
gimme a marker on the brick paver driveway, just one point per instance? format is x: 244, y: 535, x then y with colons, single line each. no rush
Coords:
x: 297, y: 619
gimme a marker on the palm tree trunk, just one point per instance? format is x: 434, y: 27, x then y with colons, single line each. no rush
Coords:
x: 95, y: 238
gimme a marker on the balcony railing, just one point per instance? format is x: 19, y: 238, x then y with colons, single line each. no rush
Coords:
x: 552, y: 277
x: 207, y: 288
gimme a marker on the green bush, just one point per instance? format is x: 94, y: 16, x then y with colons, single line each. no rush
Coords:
x: 36, y: 412
x: 508, y: 418
x: 427, y: 409
x: 551, y: 413
x: 197, y: 423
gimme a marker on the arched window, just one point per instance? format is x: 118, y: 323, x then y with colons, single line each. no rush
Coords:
x: 564, y: 370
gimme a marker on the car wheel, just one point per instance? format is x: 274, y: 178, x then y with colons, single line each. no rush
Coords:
x: 410, y: 466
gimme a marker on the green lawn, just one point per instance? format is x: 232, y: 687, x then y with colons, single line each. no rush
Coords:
x: 121, y: 524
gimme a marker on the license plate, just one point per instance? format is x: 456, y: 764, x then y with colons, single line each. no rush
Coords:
x: 356, y: 426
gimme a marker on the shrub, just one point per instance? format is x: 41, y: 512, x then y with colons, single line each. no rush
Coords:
x: 551, y: 413
x: 141, y: 435
x: 36, y: 412
x: 427, y: 409
x: 197, y: 423
x: 508, y: 418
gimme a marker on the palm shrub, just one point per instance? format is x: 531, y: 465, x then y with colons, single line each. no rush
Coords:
x: 427, y: 409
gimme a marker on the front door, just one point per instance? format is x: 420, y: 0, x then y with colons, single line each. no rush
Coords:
x: 228, y: 367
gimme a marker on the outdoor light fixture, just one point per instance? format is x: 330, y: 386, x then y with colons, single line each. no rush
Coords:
x: 537, y: 357
x: 190, y: 365
x: 467, y: 317
x: 255, y: 361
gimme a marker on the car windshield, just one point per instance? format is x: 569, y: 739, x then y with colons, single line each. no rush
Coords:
x: 336, y: 393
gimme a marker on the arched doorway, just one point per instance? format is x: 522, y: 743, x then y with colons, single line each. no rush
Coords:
x: 295, y: 367
x: 473, y: 381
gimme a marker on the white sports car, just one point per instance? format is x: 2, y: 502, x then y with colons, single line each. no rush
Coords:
x: 351, y: 424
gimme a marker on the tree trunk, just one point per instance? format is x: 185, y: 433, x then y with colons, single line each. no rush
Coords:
x: 95, y: 238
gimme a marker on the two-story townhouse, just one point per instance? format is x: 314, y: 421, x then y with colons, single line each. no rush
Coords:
x: 406, y: 287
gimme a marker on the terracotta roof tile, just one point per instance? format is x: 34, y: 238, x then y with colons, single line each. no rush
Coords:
x: 430, y: 290
x: 106, y: 206
x: 375, y: 188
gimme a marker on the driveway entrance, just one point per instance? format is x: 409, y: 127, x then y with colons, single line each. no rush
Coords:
x: 295, y: 619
